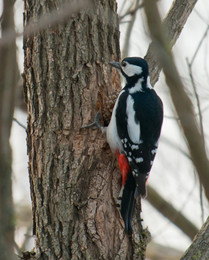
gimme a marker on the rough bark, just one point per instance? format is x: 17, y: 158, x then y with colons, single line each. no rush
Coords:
x: 8, y: 73
x: 73, y: 176
x: 199, y: 249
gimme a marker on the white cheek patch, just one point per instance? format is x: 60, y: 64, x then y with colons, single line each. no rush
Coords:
x: 132, y: 127
x: 130, y: 70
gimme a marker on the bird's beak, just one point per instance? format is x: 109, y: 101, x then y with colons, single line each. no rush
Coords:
x: 115, y: 64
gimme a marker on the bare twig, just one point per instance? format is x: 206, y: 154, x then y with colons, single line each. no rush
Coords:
x: 129, y: 8
x: 197, y: 98
x: 200, y: 16
x: 15, y: 120
x: 122, y: 7
x: 206, y: 60
x: 125, y: 22
x: 201, y: 203
x: 53, y: 18
x: 199, y: 45
x: 171, y: 117
x: 131, y: 12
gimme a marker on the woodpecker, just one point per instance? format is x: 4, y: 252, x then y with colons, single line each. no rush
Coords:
x: 133, y: 132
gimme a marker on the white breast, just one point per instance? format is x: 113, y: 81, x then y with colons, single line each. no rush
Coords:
x: 112, y: 133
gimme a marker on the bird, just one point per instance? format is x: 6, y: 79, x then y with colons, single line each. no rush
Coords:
x: 133, y: 132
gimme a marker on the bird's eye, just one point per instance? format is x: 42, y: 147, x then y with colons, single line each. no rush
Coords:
x: 123, y: 63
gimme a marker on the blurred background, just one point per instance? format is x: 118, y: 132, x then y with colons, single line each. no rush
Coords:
x: 173, y: 177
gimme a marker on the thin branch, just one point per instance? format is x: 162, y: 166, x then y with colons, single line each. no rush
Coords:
x: 171, y: 117
x: 200, y: 16
x: 197, y: 98
x: 125, y: 22
x: 206, y: 60
x: 201, y: 203
x: 131, y: 12
x: 15, y: 120
x: 53, y: 18
x: 122, y: 7
x: 199, y: 45
x: 130, y: 7
x: 199, y: 115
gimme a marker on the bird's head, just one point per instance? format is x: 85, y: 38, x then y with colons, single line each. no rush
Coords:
x: 133, y: 69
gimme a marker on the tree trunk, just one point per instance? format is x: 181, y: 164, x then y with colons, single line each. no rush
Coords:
x: 74, y: 177
x: 199, y: 249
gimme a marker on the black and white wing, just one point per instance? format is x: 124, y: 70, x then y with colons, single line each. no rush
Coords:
x: 139, y: 119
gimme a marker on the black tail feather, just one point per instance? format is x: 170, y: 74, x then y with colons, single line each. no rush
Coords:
x: 127, y: 209
x: 128, y: 203
x: 141, y: 184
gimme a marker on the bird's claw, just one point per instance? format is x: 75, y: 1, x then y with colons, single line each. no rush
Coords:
x: 96, y: 123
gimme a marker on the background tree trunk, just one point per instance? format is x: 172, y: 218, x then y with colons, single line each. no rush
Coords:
x: 199, y: 247
x: 74, y: 177
x: 8, y: 81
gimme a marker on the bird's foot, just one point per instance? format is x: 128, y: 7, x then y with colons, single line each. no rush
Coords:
x: 96, y: 123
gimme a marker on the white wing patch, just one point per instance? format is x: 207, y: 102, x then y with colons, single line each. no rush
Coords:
x: 132, y: 127
x: 139, y: 160
x: 134, y: 147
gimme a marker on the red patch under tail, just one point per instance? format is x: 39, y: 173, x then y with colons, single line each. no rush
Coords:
x: 124, y: 166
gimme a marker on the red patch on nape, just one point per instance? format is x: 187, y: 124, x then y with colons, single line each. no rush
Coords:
x: 124, y: 166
